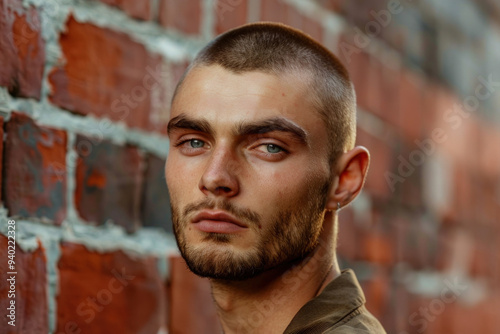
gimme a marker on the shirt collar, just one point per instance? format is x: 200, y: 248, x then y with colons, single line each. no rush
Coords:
x: 339, y: 298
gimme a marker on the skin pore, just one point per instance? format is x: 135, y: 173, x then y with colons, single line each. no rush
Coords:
x: 250, y: 145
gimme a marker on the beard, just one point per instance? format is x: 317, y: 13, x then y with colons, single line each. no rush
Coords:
x: 290, y: 235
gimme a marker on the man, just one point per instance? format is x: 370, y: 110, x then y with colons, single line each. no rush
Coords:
x: 261, y: 159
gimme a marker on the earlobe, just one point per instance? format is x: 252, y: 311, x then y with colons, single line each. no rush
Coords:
x: 351, y: 170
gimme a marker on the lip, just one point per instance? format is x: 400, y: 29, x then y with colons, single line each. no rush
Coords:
x: 217, y: 222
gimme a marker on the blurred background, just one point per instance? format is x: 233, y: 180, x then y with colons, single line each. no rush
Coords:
x: 85, y: 88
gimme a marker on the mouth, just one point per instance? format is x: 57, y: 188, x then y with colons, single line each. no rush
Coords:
x: 217, y: 222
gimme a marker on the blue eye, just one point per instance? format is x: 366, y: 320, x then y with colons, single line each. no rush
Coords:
x: 271, y: 148
x: 196, y: 143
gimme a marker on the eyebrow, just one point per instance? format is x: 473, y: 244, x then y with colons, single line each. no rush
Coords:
x: 280, y: 124
x: 184, y: 122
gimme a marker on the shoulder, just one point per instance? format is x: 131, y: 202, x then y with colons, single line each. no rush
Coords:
x: 360, y: 322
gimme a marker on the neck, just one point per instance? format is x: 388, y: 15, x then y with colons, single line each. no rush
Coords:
x: 267, y: 303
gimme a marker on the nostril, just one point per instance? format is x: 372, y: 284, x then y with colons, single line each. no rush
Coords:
x: 223, y: 190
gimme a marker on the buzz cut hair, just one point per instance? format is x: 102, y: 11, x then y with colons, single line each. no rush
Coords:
x: 275, y: 48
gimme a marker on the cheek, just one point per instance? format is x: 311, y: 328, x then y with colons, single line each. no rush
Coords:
x: 178, y: 178
x: 183, y: 178
x: 283, y: 188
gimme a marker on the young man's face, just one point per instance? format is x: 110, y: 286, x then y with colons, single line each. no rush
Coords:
x: 247, y: 171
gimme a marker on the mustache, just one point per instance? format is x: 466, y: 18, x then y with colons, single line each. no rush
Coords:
x: 240, y: 213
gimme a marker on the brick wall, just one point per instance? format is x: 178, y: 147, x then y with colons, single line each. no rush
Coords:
x: 84, y: 95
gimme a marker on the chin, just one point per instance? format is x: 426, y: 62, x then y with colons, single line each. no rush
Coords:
x: 224, y: 263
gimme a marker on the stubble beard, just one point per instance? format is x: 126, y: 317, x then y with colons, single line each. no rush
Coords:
x: 290, y: 237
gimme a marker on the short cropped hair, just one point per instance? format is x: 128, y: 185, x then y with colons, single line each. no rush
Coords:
x: 275, y: 48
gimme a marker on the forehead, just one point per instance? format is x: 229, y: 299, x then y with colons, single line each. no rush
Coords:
x: 223, y: 97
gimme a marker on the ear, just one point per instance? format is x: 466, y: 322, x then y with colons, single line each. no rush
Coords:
x: 350, y: 171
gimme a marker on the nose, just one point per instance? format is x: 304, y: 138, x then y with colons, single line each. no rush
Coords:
x: 220, y: 177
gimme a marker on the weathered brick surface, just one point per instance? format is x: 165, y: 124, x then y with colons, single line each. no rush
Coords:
x: 159, y: 114
x: 1, y: 156
x: 22, y: 49
x: 183, y: 16
x: 106, y: 74
x: 381, y: 155
x: 108, y: 292
x: 359, y: 12
x: 280, y: 11
x: 411, y: 96
x: 192, y: 309
x: 488, y: 163
x: 230, y: 14
x: 136, y: 9
x: 108, y: 181
x: 357, y: 63
x: 377, y: 247
x: 155, y: 211
x: 34, y: 179
x: 31, y: 307
x: 333, y: 5
x: 348, y: 235
x: 299, y: 20
x: 273, y: 10
x: 377, y: 292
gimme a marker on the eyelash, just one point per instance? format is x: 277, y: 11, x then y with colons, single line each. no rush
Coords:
x: 282, y: 150
x: 188, y: 140
x: 281, y: 153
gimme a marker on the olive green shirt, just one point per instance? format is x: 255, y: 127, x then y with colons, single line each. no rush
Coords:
x: 339, y: 308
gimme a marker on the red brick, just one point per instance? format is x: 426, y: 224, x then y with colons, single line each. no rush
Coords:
x: 357, y: 63
x: 159, y: 113
x: 396, y: 318
x: 230, y: 14
x: 295, y: 18
x: 377, y: 292
x: 376, y: 244
x: 184, y: 16
x: 35, y: 170
x: 400, y: 228
x: 155, y: 210
x: 409, y: 190
x: 333, y: 5
x: 313, y: 28
x: 376, y: 247
x: 415, y: 245
x: 108, y: 292
x: 192, y: 309
x: 463, y: 142
x: 1, y: 154
x: 368, y: 240
x: 461, y: 318
x: 487, y: 201
x: 137, y: 9
x: 108, y: 180
x: 280, y: 11
x: 484, y: 261
x: 106, y: 74
x: 489, y: 163
x: 409, y: 119
x: 30, y: 290
x: 22, y: 50
x: 382, y: 155
x: 273, y: 10
x: 359, y: 12
x: 462, y: 194
x: 381, y: 93
x: 437, y: 99
x: 489, y: 308
x: 444, y: 254
x: 348, y: 235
